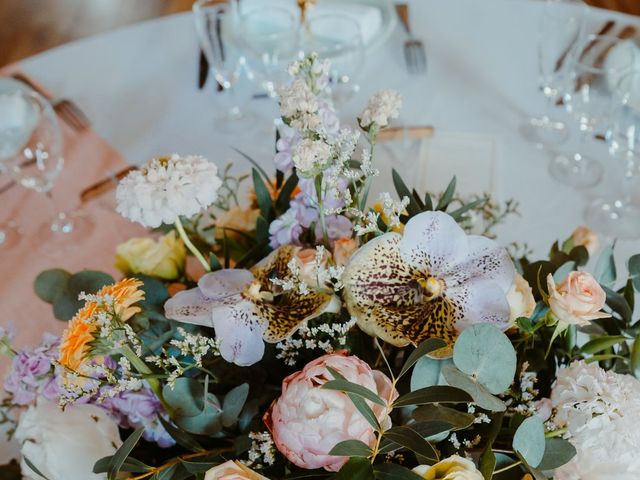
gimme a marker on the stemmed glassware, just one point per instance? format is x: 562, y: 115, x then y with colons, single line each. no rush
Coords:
x: 337, y: 38
x: 589, y: 92
x: 31, y: 154
x: 617, y: 213
x: 270, y: 39
x: 215, y: 25
x: 560, y: 27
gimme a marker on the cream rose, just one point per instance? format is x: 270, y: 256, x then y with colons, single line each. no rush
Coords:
x: 236, y: 220
x: 343, y: 248
x: 520, y: 298
x: 584, y: 236
x: 309, y: 266
x: 164, y: 258
x: 64, y: 445
x: 578, y: 299
x: 232, y: 470
x: 452, y: 468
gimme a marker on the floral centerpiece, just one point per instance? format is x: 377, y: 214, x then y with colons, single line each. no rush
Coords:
x: 308, y: 332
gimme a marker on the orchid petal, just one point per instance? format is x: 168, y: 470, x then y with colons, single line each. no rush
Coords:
x: 224, y: 283
x: 480, y: 301
x: 486, y: 260
x: 433, y: 243
x: 240, y: 332
x: 190, y: 306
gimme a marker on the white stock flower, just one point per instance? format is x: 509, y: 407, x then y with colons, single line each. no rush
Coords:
x: 167, y: 187
x: 599, y: 408
x: 382, y: 107
x: 311, y: 157
x: 64, y: 445
x: 299, y: 105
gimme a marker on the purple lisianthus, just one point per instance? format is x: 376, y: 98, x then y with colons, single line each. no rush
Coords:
x: 287, y: 229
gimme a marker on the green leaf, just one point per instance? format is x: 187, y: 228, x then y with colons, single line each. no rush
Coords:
x: 529, y: 440
x: 487, y: 354
x: 181, y: 437
x: 618, y: 304
x: 602, y: 343
x: 351, y: 448
x: 155, y: 292
x: 488, y: 464
x: 186, y: 397
x: 50, y: 284
x: 284, y: 198
x: 633, y: 266
x: 67, y: 304
x: 33, y: 467
x: 481, y: 396
x: 123, y: 452
x: 457, y: 214
x: 426, y: 347
x: 409, y: 438
x: 393, y: 471
x: 214, y: 263
x: 557, y: 452
x: 403, y: 191
x: 262, y: 195
x: 447, y: 196
x: 349, y: 387
x: 207, y: 422
x: 255, y: 164
x: 605, y: 270
x: 357, y: 468
x: 430, y: 413
x: 433, y: 394
x: 426, y: 372
x: 364, y: 409
x: 634, y: 358
x: 233, y: 403
x: 130, y: 465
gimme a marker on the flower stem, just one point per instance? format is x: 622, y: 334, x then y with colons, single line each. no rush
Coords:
x: 323, y: 221
x: 504, y: 469
x: 192, y: 248
x: 144, y: 369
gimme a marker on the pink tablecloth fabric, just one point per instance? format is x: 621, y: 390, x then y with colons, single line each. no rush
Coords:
x: 88, y: 159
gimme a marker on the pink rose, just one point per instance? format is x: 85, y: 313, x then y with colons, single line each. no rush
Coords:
x: 309, y: 266
x: 578, y: 299
x: 343, y: 248
x: 587, y: 238
x: 232, y: 470
x: 306, y: 422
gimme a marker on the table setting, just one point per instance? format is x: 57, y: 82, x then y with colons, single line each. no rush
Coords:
x: 325, y: 239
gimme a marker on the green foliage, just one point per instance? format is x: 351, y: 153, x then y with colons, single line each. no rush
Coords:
x: 393, y: 471
x: 557, y: 452
x: 529, y: 441
x: 357, y: 468
x: 118, y: 458
x: 407, y: 437
x: 427, y: 372
x: 478, y: 392
x: 425, y: 348
x: 433, y: 394
x: 351, y: 448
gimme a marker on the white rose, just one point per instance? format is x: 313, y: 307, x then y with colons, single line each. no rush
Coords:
x: 520, y: 299
x: 64, y: 445
x: 453, y: 468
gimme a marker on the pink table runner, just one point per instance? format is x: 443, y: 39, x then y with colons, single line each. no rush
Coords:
x: 88, y: 159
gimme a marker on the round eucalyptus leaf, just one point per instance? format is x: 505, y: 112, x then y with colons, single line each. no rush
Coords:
x: 529, y: 440
x: 155, y: 292
x: 481, y: 396
x: 485, y: 353
x: 186, y: 397
x: 426, y: 372
x: 88, y: 281
x: 50, y: 284
x: 207, y: 422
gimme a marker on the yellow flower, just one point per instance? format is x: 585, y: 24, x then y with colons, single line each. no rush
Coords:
x: 452, y: 468
x: 378, y: 208
x: 164, y: 258
x: 74, y: 345
x: 232, y: 470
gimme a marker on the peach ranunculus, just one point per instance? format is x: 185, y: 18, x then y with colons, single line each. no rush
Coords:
x: 520, y: 298
x: 584, y: 236
x: 236, y: 220
x: 307, y: 421
x: 343, y: 248
x: 232, y: 470
x: 577, y: 300
x: 310, y: 265
x: 453, y: 468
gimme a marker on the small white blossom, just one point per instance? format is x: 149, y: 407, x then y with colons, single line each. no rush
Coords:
x: 382, y: 107
x: 311, y: 157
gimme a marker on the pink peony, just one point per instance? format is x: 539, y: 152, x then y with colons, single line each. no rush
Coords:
x: 306, y: 422
x: 578, y: 299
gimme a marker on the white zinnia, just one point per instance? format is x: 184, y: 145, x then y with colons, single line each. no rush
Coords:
x: 311, y: 157
x: 600, y: 410
x: 64, y: 445
x: 166, y: 188
x: 382, y: 107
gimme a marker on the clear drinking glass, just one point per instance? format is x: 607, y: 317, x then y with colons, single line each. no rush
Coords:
x: 560, y: 26
x: 588, y: 97
x: 337, y: 38
x: 215, y: 23
x: 618, y: 213
x: 31, y: 154
x: 270, y: 38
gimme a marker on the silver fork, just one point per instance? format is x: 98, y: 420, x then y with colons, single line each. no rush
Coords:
x: 414, y: 53
x: 67, y: 110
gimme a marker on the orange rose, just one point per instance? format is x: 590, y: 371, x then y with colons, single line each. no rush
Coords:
x: 343, y: 248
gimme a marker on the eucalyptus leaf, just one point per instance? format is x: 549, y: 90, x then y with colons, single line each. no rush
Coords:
x: 207, y: 422
x: 557, y: 452
x: 233, y: 403
x: 181, y: 437
x: 426, y: 347
x: 357, y: 468
x: 634, y: 358
x: 618, y: 304
x: 487, y: 354
x: 529, y: 440
x: 605, y: 270
x: 633, y: 266
x: 426, y: 372
x: 351, y: 448
x: 50, y: 284
x: 186, y: 397
x: 433, y: 394
x: 481, y: 396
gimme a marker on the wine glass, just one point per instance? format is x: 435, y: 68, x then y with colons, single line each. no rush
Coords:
x: 337, y: 38
x: 617, y: 213
x: 31, y: 154
x: 560, y: 26
x: 216, y: 23
x: 588, y: 99
x: 270, y: 39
